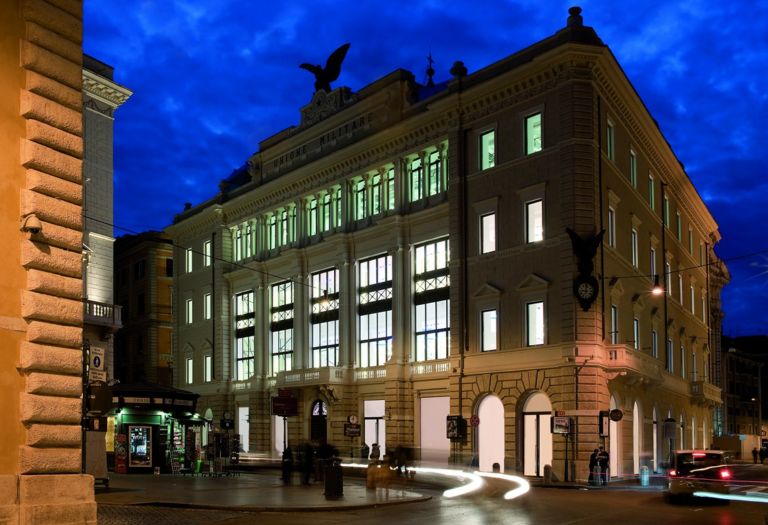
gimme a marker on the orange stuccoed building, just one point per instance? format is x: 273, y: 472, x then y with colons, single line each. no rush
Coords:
x: 41, y: 308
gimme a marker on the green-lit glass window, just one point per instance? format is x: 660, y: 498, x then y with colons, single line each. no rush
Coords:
x: 358, y: 189
x: 433, y: 174
x: 376, y: 194
x: 533, y: 133
x: 391, y: 189
x: 417, y: 180
x: 488, y: 150
x: 271, y: 232
x: 336, y: 197
x: 325, y: 217
x: 312, y: 217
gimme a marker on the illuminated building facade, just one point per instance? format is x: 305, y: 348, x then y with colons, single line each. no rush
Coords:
x: 402, y: 256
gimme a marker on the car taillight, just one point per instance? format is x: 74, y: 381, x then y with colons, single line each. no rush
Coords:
x: 672, y: 473
x: 725, y: 474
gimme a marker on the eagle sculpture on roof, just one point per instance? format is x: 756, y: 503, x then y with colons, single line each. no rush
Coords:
x: 325, y: 75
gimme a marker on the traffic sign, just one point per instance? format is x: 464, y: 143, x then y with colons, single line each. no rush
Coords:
x: 96, y: 371
x: 474, y: 420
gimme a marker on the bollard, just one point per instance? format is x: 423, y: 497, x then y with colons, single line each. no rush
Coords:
x: 547, y: 474
x: 334, y: 484
x: 645, y: 476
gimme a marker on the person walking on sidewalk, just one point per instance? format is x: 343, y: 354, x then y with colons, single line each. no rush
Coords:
x: 603, y: 460
x: 754, y: 454
x: 594, y: 473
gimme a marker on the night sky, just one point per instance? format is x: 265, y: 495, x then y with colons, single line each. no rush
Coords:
x: 213, y: 78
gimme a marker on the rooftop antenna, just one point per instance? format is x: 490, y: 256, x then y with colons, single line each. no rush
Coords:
x: 430, y: 70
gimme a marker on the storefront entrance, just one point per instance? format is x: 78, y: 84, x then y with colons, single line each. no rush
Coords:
x: 319, y: 422
x: 537, y: 438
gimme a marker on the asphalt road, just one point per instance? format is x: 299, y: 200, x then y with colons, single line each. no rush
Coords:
x: 542, y: 506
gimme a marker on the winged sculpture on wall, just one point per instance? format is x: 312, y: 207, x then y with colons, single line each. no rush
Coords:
x: 325, y: 75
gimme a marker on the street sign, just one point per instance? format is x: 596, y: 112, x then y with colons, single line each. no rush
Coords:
x: 284, y: 406
x: 352, y: 429
x: 616, y: 414
x: 474, y: 420
x: 455, y: 427
x: 96, y: 370
x: 560, y: 425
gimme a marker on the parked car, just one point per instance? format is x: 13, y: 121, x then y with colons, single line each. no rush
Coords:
x: 699, y: 470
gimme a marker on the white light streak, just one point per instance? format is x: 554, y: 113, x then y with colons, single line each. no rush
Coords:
x: 523, y: 487
x: 475, y: 482
x: 731, y: 497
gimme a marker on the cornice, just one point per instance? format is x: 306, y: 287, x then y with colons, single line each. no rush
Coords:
x: 104, y: 91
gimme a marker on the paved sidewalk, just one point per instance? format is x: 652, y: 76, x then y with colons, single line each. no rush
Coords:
x: 257, y: 491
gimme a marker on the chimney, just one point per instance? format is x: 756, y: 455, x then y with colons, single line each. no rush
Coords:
x: 575, y: 19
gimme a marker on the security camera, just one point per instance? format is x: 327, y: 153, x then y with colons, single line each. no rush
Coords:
x: 31, y: 224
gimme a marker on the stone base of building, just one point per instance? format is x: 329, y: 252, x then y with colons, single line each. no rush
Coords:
x: 47, y: 498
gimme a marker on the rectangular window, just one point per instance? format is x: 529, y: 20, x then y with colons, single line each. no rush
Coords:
x: 703, y: 308
x: 534, y: 221
x: 636, y: 333
x: 533, y: 134
x: 375, y: 310
x: 680, y: 286
x: 208, y: 368
x: 271, y: 226
x: 653, y: 262
x: 489, y: 328
x: 376, y: 194
x: 693, y: 299
x: 190, y: 371
x: 633, y: 168
x: 668, y: 278
x: 244, y: 335
x: 534, y: 323
x: 207, y: 305
x: 614, y: 324
x: 434, y: 177
x: 651, y: 192
x: 189, y: 311
x: 670, y: 356
x: 188, y: 260
x: 325, y: 216
x: 702, y: 257
x: 207, y: 252
x: 690, y: 241
x: 313, y: 216
x: 169, y: 267
x: 682, y: 361
x: 679, y: 227
x: 237, y: 245
x: 324, y: 318
x: 609, y: 140
x: 391, y: 189
x: 665, y: 211
x: 281, y: 326
x: 487, y: 150
x: 417, y: 179
x: 654, y: 344
x: 432, y: 300
x: 358, y: 193
x: 694, y: 367
x: 611, y: 227
x: 635, y: 257
x: 488, y: 233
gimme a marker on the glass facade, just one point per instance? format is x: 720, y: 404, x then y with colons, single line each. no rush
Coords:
x: 375, y: 310
x: 432, y: 300
x: 281, y: 326
x: 244, y: 335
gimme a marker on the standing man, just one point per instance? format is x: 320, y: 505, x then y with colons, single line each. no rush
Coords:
x: 602, y: 461
x: 594, y: 472
x: 754, y: 454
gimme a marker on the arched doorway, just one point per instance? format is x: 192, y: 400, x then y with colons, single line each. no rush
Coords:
x: 537, y: 438
x: 490, y: 433
x: 636, y: 437
x: 655, y: 440
x: 318, y: 430
x: 614, y: 435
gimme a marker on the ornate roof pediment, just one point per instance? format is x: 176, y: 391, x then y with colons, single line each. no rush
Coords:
x: 533, y: 282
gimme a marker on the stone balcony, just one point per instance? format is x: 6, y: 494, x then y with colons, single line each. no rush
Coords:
x: 311, y: 376
x: 635, y: 366
x: 706, y: 394
x: 103, y: 314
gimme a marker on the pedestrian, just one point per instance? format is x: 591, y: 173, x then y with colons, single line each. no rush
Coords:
x: 603, y: 460
x: 754, y: 454
x: 763, y: 454
x: 593, y: 471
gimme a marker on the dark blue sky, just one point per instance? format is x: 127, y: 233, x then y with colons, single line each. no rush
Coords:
x: 213, y: 78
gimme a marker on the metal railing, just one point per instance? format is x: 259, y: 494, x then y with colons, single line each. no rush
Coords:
x: 103, y: 314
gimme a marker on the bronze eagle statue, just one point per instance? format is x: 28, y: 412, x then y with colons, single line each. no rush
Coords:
x: 325, y: 75
x: 585, y: 249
